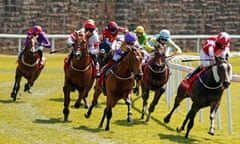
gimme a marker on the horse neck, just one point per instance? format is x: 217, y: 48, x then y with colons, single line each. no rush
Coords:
x: 123, y: 69
x: 209, y: 79
x: 81, y: 62
x: 28, y: 57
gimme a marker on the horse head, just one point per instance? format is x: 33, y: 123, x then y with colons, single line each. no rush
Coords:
x: 222, y: 71
x: 80, y: 45
x: 31, y: 48
x: 134, y: 60
x: 159, y: 62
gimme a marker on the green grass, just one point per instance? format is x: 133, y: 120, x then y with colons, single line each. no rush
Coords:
x: 38, y: 118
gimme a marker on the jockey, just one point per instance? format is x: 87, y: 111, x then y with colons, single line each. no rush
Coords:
x: 142, y: 39
x: 130, y: 40
x: 42, y: 42
x: 146, y: 49
x: 109, y: 35
x: 164, y: 38
x: 92, y: 38
x: 216, y: 46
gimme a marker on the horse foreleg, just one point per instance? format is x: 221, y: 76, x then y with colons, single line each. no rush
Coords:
x: 16, y: 86
x: 97, y: 93
x: 66, y: 91
x: 136, y: 88
x: 129, y: 105
x: 213, y: 111
x: 103, y: 118
x: 156, y: 98
x: 80, y: 97
x: 192, y: 115
x: 145, y: 98
x: 179, y: 97
x: 109, y: 116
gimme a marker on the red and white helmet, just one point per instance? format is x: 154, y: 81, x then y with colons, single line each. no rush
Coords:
x: 223, y: 39
x: 37, y: 29
x: 112, y: 26
x: 89, y: 25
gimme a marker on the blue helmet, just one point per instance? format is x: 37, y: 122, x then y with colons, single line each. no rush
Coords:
x: 130, y: 37
x: 164, y: 34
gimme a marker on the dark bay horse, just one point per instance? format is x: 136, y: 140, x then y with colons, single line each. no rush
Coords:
x: 27, y: 67
x: 118, y: 85
x: 206, y: 91
x: 79, y: 75
x: 155, y: 77
x: 105, y: 54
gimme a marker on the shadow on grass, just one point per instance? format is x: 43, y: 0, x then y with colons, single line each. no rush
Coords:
x: 130, y: 124
x: 85, y: 128
x: 50, y: 121
x: 7, y: 101
x: 152, y: 118
x: 180, y: 139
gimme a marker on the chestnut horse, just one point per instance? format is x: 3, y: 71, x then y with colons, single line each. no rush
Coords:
x: 207, y: 90
x: 27, y: 67
x: 80, y: 75
x: 156, y: 74
x: 118, y: 84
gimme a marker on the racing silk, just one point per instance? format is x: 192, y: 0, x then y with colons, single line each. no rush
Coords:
x: 107, y: 34
x: 93, y: 43
x: 144, y: 43
x: 42, y: 39
x: 210, y: 48
x: 171, y: 47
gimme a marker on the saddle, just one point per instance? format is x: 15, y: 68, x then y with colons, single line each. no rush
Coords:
x: 187, y: 83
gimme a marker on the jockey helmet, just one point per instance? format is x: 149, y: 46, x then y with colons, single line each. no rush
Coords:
x: 130, y: 38
x: 139, y: 29
x: 164, y: 34
x: 37, y: 29
x: 89, y: 25
x: 112, y: 26
x: 223, y: 39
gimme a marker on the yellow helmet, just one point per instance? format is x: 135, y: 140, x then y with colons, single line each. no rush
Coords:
x: 139, y: 29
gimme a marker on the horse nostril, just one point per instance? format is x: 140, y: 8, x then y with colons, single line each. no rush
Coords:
x: 226, y: 84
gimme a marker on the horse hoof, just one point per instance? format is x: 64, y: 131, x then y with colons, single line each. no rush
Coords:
x: 30, y: 91
x: 77, y: 105
x: 166, y: 120
x: 148, y: 118
x: 87, y: 115
x: 129, y: 120
x: 211, y: 131
x: 178, y: 129
x: 142, y: 117
x: 86, y: 106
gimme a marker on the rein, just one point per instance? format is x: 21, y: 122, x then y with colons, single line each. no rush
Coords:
x: 27, y: 64
x: 208, y: 87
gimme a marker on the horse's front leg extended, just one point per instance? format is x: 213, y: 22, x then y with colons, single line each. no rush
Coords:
x: 145, y: 98
x: 129, y: 105
x: 66, y: 91
x: 16, y: 86
x: 136, y: 88
x: 213, y: 111
x: 156, y: 98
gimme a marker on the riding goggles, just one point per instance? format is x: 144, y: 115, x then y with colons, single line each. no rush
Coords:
x: 89, y: 29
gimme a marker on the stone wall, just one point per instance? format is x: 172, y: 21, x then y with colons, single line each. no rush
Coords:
x: 62, y: 16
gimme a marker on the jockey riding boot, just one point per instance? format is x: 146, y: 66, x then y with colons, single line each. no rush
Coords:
x: 40, y: 53
x: 94, y: 57
x: 190, y: 75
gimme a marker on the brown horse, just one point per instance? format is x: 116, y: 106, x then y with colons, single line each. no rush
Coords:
x: 118, y: 84
x: 206, y: 91
x: 80, y: 75
x: 27, y: 67
x: 156, y: 74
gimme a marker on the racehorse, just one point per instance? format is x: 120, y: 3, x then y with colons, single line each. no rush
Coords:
x: 27, y: 67
x: 155, y: 77
x: 206, y: 90
x: 118, y: 85
x: 80, y: 75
